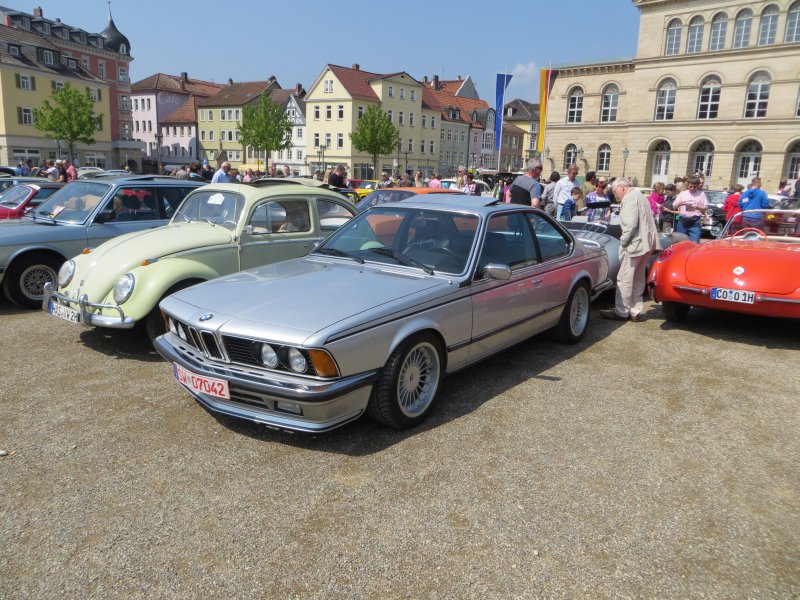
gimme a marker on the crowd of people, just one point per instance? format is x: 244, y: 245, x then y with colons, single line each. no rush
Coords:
x: 61, y: 170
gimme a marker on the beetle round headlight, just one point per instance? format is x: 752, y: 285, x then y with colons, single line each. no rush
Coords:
x: 297, y: 362
x: 123, y: 288
x: 268, y: 356
x: 65, y: 273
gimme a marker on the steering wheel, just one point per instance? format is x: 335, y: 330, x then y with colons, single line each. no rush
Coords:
x: 747, y: 231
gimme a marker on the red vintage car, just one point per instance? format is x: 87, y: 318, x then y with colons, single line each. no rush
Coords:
x: 753, y: 268
x: 23, y: 197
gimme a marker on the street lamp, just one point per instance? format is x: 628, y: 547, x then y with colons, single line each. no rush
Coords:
x: 159, y: 136
x: 625, y: 154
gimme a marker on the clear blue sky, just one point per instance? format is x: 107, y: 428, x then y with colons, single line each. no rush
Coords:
x: 250, y: 40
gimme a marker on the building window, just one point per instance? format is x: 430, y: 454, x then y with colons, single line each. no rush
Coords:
x: 85, y: 63
x: 741, y: 28
x: 340, y: 112
x: 123, y: 73
x: 793, y: 23
x: 410, y: 145
x: 575, y: 106
x: 673, y: 45
x: 101, y: 68
x: 124, y: 103
x: 424, y: 120
x: 665, y: 100
x: 433, y: 122
x: 316, y: 140
x: 48, y: 57
x: 46, y: 28
x: 797, y: 110
x: 328, y: 86
x: 25, y: 116
x: 794, y: 162
x: 570, y: 155
x: 661, y: 155
x: 413, y: 94
x: 608, y: 112
x: 222, y: 114
x: 360, y: 111
x: 13, y: 50
x: 431, y: 147
x: 25, y: 82
x: 422, y: 146
x: 400, y: 118
x: 72, y: 63
x: 749, y: 161
x: 210, y: 116
x: 299, y: 133
x: 719, y: 30
x: 94, y: 94
x: 211, y: 135
x: 299, y: 154
x: 604, y: 158
x: 449, y: 134
x: 390, y: 115
x: 694, y: 42
x: 316, y: 113
x: 703, y: 158
x: 340, y: 140
x: 327, y: 140
x: 123, y: 49
x: 768, y: 28
x: 411, y: 119
x: 202, y: 135
x: 391, y: 91
x: 230, y: 115
x: 755, y: 105
x: 402, y: 93
x: 149, y: 126
x: 708, y: 107
x: 328, y: 112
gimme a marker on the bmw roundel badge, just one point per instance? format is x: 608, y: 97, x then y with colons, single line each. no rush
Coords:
x: 207, y: 316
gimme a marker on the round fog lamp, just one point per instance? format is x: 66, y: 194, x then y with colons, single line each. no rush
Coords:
x: 297, y: 362
x: 268, y: 356
x: 123, y: 288
x: 65, y: 273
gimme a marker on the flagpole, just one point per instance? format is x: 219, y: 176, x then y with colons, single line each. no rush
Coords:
x: 502, y: 115
x: 546, y: 102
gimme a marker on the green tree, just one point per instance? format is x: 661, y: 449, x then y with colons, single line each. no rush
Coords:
x: 375, y: 134
x: 265, y: 126
x: 70, y: 118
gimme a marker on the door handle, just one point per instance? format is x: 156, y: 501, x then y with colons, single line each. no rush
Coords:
x: 537, y: 283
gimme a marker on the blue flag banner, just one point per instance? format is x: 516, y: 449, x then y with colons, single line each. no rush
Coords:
x: 502, y: 84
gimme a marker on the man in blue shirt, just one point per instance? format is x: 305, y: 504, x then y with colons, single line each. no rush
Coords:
x: 753, y: 199
x: 221, y: 176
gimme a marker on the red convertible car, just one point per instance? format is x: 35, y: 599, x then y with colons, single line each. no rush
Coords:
x: 23, y: 197
x: 753, y: 268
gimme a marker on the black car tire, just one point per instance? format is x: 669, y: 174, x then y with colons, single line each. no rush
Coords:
x: 25, y: 278
x: 154, y: 324
x: 675, y: 311
x: 574, y: 321
x: 409, y: 384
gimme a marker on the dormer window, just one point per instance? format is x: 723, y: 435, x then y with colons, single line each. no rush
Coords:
x: 123, y: 49
x: 509, y: 112
x: 48, y: 57
x: 13, y: 50
x: 83, y: 38
x: 25, y: 22
x: 72, y: 63
x: 46, y: 28
x: 65, y: 33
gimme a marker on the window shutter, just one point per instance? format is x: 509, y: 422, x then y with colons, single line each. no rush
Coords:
x: 16, y: 80
x: 53, y: 84
x: 99, y: 95
x: 19, y: 115
x: 33, y: 82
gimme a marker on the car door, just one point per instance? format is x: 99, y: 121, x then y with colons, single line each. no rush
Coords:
x: 129, y: 208
x: 331, y: 215
x: 505, y: 312
x: 556, y: 266
x: 278, y: 229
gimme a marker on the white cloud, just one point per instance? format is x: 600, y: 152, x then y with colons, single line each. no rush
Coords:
x: 524, y: 83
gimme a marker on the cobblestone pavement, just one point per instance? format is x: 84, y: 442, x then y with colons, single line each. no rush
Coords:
x: 652, y: 460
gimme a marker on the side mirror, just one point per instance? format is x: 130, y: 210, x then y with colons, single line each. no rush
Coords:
x: 104, y: 216
x: 248, y: 230
x: 497, y: 271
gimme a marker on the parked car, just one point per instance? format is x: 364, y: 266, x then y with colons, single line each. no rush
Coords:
x: 23, y: 197
x: 375, y: 317
x: 82, y: 213
x: 217, y: 230
x: 384, y: 195
x: 481, y: 187
x: 753, y: 268
x: 9, y: 181
x: 366, y: 186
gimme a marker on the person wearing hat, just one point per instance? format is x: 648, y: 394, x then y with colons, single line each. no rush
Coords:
x: 597, y: 203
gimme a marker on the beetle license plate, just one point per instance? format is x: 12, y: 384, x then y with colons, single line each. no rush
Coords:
x: 201, y: 384
x: 63, y: 312
x: 727, y: 295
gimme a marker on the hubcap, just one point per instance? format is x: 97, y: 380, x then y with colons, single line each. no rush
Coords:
x: 579, y: 311
x: 419, y: 377
x: 33, y: 279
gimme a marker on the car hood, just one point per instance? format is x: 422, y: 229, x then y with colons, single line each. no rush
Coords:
x: 26, y: 231
x: 758, y: 266
x: 291, y: 300
x: 97, y: 272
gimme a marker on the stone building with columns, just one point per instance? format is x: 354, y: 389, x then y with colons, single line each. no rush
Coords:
x: 714, y: 87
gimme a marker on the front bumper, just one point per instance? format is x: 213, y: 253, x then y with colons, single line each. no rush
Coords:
x: 255, y: 396
x: 85, y: 317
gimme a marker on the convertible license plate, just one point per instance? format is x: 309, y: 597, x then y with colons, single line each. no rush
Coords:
x: 63, y: 312
x: 727, y: 295
x: 201, y: 384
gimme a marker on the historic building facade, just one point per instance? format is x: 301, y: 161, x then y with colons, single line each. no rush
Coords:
x: 714, y: 87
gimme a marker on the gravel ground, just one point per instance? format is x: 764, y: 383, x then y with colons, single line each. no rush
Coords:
x: 651, y: 460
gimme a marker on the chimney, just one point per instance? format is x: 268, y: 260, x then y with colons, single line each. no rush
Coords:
x: 356, y: 66
x: 425, y: 80
x: 435, y: 83
x: 184, y: 76
x: 271, y: 78
x: 8, y: 21
x: 298, y: 89
x: 37, y: 12
x: 458, y: 77
x: 230, y: 81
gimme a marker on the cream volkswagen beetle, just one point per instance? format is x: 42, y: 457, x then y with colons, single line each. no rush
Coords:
x: 217, y: 230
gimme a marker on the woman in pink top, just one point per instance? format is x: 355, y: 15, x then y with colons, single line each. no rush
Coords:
x: 656, y: 200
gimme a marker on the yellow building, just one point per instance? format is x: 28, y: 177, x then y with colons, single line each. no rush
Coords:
x: 339, y: 97
x: 714, y: 87
x: 31, y: 68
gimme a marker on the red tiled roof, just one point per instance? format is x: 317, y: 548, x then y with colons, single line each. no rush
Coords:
x: 173, y: 83
x: 237, y: 94
x: 185, y: 113
x: 450, y: 86
x: 356, y: 82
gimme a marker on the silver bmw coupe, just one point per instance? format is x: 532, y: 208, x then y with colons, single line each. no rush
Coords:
x: 374, y: 317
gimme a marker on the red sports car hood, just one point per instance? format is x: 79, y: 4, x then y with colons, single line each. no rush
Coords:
x: 757, y: 266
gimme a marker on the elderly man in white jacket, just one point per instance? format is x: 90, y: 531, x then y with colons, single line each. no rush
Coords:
x: 638, y: 241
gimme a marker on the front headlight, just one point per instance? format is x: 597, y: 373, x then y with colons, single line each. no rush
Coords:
x: 297, y: 362
x: 268, y: 356
x: 123, y: 288
x: 710, y: 212
x: 66, y: 273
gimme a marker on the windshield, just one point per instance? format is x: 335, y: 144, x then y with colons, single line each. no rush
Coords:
x: 211, y: 206
x: 781, y: 225
x: 74, y: 202
x: 14, y: 196
x: 429, y: 239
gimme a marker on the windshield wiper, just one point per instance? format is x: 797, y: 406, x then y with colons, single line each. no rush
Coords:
x: 403, y: 259
x: 340, y: 253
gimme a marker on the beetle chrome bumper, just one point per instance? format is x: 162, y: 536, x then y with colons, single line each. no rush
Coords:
x: 285, y: 402
x: 85, y: 317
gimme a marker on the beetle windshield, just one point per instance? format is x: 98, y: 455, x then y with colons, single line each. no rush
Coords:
x: 437, y: 239
x: 74, y: 202
x: 212, y: 206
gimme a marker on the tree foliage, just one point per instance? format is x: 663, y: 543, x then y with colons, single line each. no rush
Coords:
x: 69, y: 117
x: 375, y: 134
x: 265, y: 126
